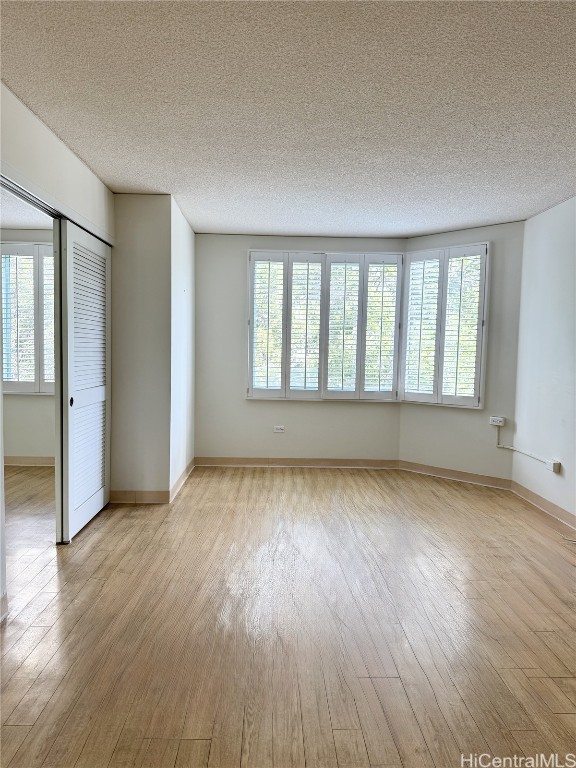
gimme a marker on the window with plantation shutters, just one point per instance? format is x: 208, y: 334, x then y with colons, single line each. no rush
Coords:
x: 19, y: 319
x: 305, y: 290
x: 421, y: 327
x: 463, y: 324
x: 381, y: 324
x: 444, y: 325
x: 47, y: 325
x: 267, y: 324
x: 368, y: 326
x: 343, y: 317
x: 28, y: 317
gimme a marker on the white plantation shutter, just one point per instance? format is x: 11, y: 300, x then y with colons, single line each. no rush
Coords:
x: 342, y: 369
x: 462, y: 336
x: 421, y: 326
x: 360, y: 326
x: 381, y: 319
x: 28, y: 317
x: 19, y: 319
x: 305, y: 304
x: 46, y: 325
x: 267, y: 324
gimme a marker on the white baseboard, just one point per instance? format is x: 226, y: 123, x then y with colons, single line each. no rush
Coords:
x: 152, y: 497
x: 165, y: 497
x: 559, y: 513
x: 139, y: 497
x: 28, y: 461
x: 448, y: 474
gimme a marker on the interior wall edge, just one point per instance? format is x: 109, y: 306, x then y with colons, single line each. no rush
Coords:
x: 176, y: 488
x: 407, y: 466
x: 559, y: 513
x: 501, y: 483
x: 446, y: 473
x: 52, y: 172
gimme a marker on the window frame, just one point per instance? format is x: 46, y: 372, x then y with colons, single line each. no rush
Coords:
x: 479, y: 374
x: 258, y: 392
x: 475, y: 401
x: 403, y: 260
x: 411, y: 258
x: 382, y: 258
x: 37, y: 251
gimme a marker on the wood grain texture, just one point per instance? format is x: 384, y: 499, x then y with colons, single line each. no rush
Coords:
x: 287, y: 618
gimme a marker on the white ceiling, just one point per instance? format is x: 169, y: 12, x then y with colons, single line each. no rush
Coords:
x: 17, y: 214
x: 340, y: 118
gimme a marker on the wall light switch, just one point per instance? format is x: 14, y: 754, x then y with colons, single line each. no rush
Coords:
x: 497, y: 421
x: 279, y: 429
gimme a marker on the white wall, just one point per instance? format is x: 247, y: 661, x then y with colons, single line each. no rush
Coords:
x: 546, y: 389
x: 28, y: 419
x: 152, y: 344
x: 463, y: 439
x: 227, y: 424
x: 8, y: 235
x: 29, y: 425
x: 140, y: 451
x: 182, y: 345
x: 35, y: 159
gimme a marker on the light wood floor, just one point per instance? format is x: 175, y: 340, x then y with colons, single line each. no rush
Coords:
x: 288, y: 617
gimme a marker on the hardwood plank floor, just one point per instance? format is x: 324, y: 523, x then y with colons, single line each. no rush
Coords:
x: 287, y: 618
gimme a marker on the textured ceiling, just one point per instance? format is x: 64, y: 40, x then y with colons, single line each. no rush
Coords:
x: 341, y: 118
x: 16, y: 214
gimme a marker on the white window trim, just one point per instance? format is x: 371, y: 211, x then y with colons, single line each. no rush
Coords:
x: 312, y: 257
x: 38, y: 251
x: 397, y: 394
x: 437, y: 398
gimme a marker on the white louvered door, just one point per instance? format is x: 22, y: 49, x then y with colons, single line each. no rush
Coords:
x: 85, y: 329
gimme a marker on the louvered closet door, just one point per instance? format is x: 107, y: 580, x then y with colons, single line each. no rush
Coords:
x: 85, y: 377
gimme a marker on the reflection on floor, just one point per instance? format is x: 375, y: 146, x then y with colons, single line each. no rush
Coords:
x: 291, y: 617
x: 30, y: 516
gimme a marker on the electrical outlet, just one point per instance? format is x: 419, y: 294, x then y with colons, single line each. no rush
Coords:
x: 279, y: 428
x: 553, y: 466
x: 497, y: 421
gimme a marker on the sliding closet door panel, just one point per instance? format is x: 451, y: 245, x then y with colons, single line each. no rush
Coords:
x: 85, y: 377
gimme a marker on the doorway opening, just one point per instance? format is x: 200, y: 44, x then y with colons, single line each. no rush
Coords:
x: 29, y: 377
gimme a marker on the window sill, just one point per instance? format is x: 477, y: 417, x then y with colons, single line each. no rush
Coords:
x: 370, y: 400
x: 28, y: 394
